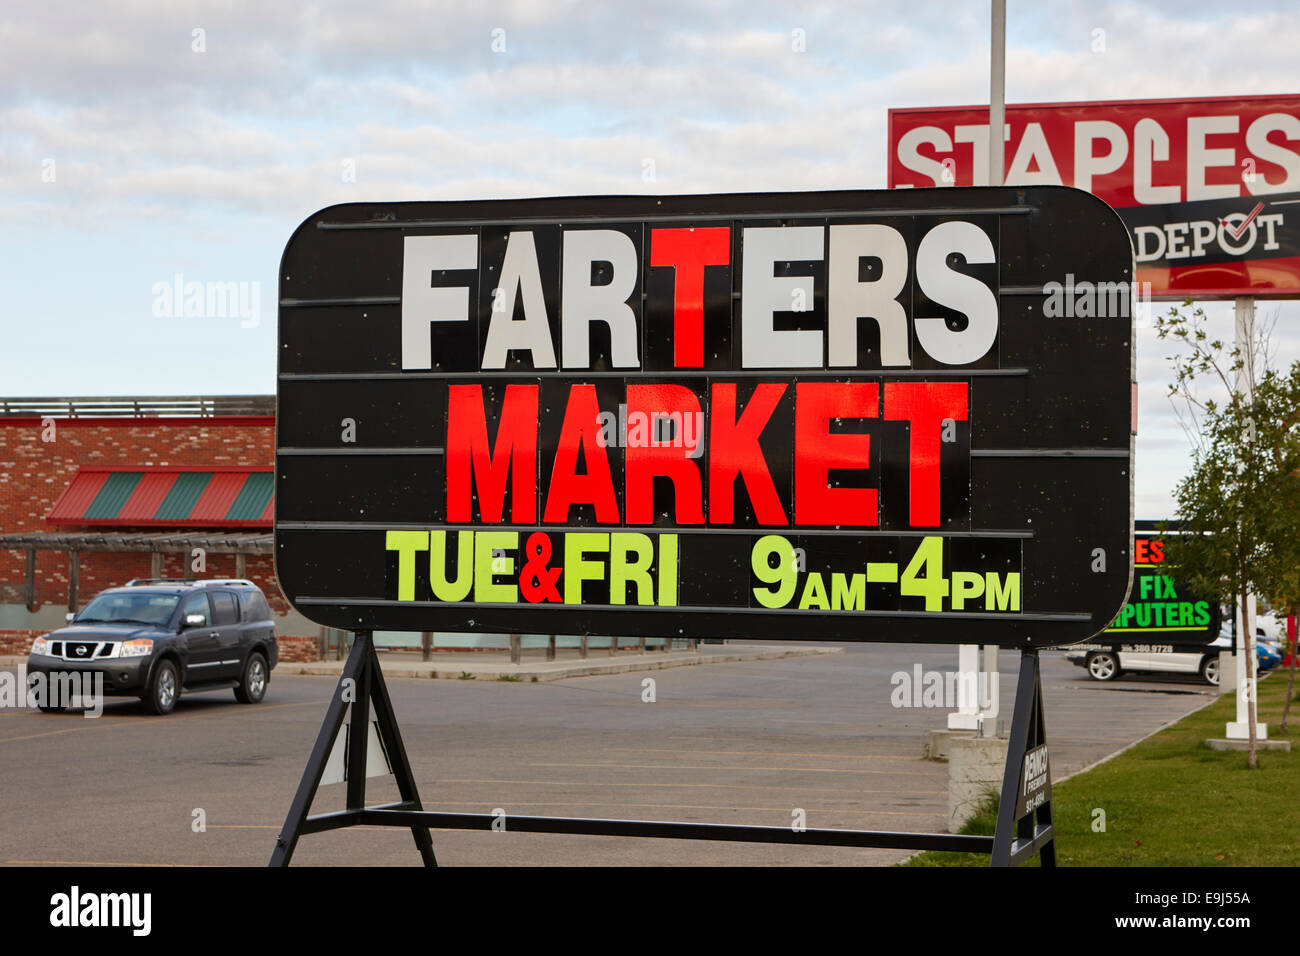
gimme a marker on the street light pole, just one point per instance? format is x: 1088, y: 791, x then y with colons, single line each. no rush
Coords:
x: 990, y: 703
x: 978, y: 701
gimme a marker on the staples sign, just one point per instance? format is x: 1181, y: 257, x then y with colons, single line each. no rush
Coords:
x: 1210, y: 189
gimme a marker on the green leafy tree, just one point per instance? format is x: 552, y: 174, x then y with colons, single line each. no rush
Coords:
x: 1239, y: 507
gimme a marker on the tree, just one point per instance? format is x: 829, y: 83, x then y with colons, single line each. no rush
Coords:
x: 1239, y: 507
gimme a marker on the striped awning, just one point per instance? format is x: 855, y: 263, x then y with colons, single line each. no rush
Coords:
x: 178, y: 497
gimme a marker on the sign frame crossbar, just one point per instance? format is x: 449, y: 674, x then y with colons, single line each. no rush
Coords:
x: 361, y: 687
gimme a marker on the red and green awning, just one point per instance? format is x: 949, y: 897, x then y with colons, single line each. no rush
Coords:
x: 174, y: 497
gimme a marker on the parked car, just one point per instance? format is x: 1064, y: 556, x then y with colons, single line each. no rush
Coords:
x: 1108, y: 662
x: 1271, y: 624
x: 156, y: 636
x: 1268, y: 648
x: 1268, y: 652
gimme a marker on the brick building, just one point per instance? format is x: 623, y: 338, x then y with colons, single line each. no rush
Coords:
x: 94, y: 492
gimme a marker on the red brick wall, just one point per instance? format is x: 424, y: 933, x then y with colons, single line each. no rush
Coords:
x: 297, y: 650
x: 17, y: 643
x: 35, y: 471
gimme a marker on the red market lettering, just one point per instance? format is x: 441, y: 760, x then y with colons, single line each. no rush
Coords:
x: 479, y: 473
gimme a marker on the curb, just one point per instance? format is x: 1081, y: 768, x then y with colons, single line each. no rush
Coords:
x: 548, y: 671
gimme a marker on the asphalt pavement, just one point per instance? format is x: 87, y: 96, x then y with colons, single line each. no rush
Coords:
x: 745, y: 742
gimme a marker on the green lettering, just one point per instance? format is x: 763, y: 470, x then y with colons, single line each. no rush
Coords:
x: 406, y: 543
x: 1000, y: 598
x: 443, y: 589
x: 487, y: 591
x: 622, y: 571
x: 782, y: 574
x: 966, y: 585
x: 848, y: 592
x: 667, y: 570
x: 577, y: 568
x: 814, y: 592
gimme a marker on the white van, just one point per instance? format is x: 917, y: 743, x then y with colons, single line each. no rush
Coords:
x: 1109, y: 661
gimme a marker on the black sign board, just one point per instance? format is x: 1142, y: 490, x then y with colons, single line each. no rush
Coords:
x: 794, y: 416
x: 1160, y: 611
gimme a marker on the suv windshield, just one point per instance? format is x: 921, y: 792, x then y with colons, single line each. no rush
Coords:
x: 128, y: 607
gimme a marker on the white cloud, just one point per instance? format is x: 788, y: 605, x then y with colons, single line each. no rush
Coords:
x: 199, y: 155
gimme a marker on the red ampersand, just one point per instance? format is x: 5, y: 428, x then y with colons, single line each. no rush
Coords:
x: 536, y: 580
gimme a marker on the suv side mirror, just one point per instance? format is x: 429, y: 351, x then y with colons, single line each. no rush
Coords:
x: 195, y: 620
x: 70, y: 615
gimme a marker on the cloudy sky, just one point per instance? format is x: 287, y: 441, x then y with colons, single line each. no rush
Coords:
x: 144, y: 141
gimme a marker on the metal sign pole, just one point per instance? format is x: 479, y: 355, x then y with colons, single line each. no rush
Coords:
x: 1025, y: 809
x: 360, y: 684
x: 997, y: 92
x: 987, y: 703
x: 1247, y: 725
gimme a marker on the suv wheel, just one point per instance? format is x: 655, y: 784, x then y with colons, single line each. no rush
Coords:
x: 164, y: 688
x: 1210, y: 670
x: 252, y: 688
x: 1103, y: 666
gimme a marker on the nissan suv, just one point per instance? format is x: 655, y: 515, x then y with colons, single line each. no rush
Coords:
x: 155, y: 636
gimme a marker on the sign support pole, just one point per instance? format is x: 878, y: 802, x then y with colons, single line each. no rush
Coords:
x: 1246, y: 726
x: 360, y: 685
x: 984, y: 674
x: 1025, y: 812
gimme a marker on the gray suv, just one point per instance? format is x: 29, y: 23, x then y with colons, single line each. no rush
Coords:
x: 155, y: 636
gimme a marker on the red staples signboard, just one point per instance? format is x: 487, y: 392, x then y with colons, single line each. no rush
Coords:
x: 794, y: 416
x: 1209, y: 188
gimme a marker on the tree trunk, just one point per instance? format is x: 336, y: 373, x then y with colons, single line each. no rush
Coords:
x: 1290, y: 677
x: 1248, y: 646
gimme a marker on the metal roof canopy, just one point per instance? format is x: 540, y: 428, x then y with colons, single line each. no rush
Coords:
x: 171, y: 496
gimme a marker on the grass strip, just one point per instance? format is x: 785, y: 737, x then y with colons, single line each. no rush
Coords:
x: 1172, y: 801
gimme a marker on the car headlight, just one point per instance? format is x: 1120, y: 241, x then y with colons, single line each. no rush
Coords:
x: 140, y: 647
x: 41, y: 646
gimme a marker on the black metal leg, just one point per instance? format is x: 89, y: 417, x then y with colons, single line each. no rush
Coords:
x: 1015, y: 838
x: 359, y: 730
x: 1047, y: 853
x: 1006, y: 826
x: 329, y: 730
x: 391, y: 738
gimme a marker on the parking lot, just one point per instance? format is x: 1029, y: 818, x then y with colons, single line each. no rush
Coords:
x: 729, y: 743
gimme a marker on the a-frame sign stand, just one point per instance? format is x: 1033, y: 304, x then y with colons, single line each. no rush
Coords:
x: 1025, y: 808
x: 361, y: 687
